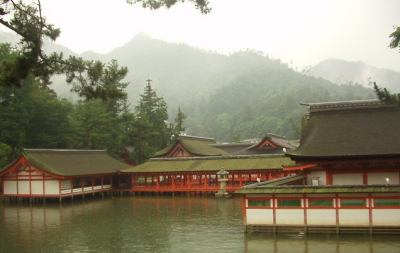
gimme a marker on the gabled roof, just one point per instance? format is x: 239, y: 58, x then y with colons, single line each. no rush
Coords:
x: 232, y: 148
x: 270, y: 144
x: 350, y: 129
x: 67, y: 162
x: 212, y: 163
x: 195, y: 146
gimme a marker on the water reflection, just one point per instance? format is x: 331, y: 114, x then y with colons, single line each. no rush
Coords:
x: 327, y: 243
x: 157, y: 224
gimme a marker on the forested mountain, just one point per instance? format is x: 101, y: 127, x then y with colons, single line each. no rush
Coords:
x: 243, y: 95
x: 344, y: 72
x: 228, y: 97
x: 265, y: 101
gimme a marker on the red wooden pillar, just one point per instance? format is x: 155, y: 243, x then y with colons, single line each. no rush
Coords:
x: 44, y: 184
x: 365, y: 177
x: 274, y: 201
x: 173, y: 181
x: 17, y: 174
x: 158, y: 182
x: 328, y: 177
x: 132, y: 181
x: 59, y: 186
x: 190, y: 177
x: 369, y: 198
x: 30, y: 181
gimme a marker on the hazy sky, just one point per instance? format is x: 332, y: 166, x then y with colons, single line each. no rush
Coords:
x: 303, y: 32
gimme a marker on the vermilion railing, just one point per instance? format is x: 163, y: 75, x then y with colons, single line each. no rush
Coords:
x: 181, y: 188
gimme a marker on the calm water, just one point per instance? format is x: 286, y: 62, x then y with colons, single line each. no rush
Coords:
x: 157, y: 224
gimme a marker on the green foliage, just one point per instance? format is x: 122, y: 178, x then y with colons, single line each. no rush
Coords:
x: 31, y: 114
x: 91, y: 79
x: 386, y: 96
x: 33, y: 117
x: 93, y: 125
x: 5, y: 154
x: 382, y: 93
x: 266, y: 100
x: 95, y: 80
x: 178, y: 127
x: 395, y: 36
x: 149, y: 131
x: 26, y: 20
x: 203, y: 5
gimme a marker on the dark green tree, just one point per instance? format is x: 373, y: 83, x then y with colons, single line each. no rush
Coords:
x: 384, y: 94
x: 202, y: 5
x: 92, y: 123
x: 95, y: 80
x: 33, y: 117
x: 92, y: 79
x: 27, y: 21
x: 395, y: 36
x: 178, y: 126
x: 150, y: 130
x: 5, y: 154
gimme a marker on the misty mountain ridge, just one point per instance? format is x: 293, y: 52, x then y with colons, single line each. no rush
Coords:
x: 228, y: 97
x: 344, y: 72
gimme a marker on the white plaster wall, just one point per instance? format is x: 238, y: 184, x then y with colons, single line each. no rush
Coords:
x: 289, y: 216
x: 23, y: 187
x: 52, y: 187
x: 353, y: 217
x: 347, y: 179
x: 380, y: 178
x: 386, y: 217
x: 321, y: 217
x: 37, y: 187
x: 320, y: 174
x: 10, y: 187
x: 259, y: 216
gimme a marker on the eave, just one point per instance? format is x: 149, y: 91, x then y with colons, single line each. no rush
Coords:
x: 297, y: 189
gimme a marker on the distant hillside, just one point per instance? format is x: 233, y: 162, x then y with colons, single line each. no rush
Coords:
x: 342, y: 72
x: 228, y: 97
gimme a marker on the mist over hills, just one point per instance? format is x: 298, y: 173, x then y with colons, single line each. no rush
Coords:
x: 228, y: 97
x: 344, y: 72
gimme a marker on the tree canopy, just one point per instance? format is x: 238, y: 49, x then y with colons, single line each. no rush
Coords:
x: 202, y: 5
x: 33, y: 116
x: 384, y: 94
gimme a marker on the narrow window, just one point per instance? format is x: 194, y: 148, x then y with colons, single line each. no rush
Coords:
x: 290, y: 203
x: 316, y: 203
x: 387, y: 202
x: 353, y: 203
x: 259, y: 203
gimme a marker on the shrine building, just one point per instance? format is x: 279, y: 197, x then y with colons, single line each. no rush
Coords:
x: 346, y: 176
x: 59, y: 173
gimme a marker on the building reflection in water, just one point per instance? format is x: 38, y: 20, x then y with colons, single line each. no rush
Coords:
x: 158, y: 224
x: 24, y: 226
x: 329, y: 243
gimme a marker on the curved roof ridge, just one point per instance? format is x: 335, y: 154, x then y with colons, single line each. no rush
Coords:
x: 62, y: 150
x: 217, y: 157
